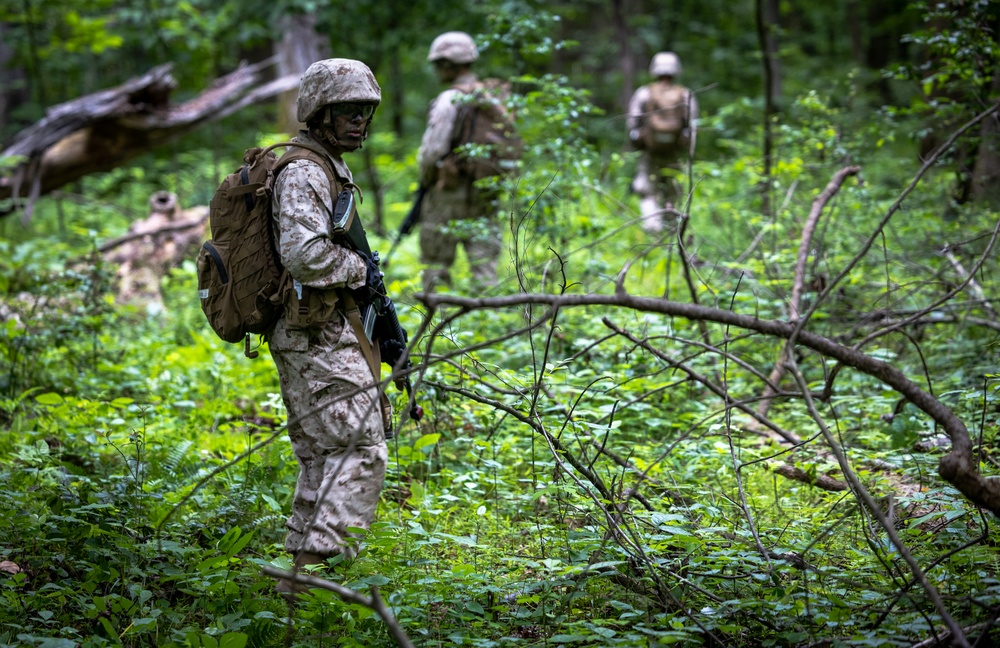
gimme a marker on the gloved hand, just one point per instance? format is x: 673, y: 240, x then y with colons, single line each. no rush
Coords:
x: 373, y: 275
x: 391, y: 351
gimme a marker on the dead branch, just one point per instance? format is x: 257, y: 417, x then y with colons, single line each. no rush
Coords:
x: 100, y: 131
x: 164, y: 229
x: 864, y: 496
x: 959, y: 467
x: 895, y: 207
x: 778, y: 372
x: 375, y: 603
x: 807, y: 234
x: 820, y: 481
x: 699, y: 378
x: 970, y: 281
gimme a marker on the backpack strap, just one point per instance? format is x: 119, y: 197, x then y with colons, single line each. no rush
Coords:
x: 311, y: 153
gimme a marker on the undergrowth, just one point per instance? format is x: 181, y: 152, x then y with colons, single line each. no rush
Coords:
x: 568, y: 486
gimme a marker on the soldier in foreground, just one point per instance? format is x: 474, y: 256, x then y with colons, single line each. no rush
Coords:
x: 337, y: 421
x: 662, y: 120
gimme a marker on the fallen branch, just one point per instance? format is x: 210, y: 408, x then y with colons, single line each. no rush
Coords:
x: 819, y: 481
x: 778, y: 372
x: 959, y: 467
x: 970, y: 281
x: 100, y: 131
x: 864, y: 496
x: 375, y: 603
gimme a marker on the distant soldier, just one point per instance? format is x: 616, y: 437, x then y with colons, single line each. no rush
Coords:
x: 154, y: 245
x: 662, y: 120
x: 454, y: 211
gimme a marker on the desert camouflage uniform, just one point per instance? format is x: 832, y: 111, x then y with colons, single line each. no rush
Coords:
x: 335, y: 426
x: 453, y: 215
x: 658, y: 177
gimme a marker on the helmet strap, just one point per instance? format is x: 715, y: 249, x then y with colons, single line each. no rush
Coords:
x: 326, y: 132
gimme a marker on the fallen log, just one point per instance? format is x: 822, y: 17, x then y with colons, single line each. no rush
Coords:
x: 100, y: 131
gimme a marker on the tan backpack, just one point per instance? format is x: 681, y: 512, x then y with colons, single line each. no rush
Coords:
x: 665, y: 122
x: 241, y: 282
x: 484, y: 139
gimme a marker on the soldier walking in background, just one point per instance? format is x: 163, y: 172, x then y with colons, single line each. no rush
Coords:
x: 662, y: 121
x: 454, y: 211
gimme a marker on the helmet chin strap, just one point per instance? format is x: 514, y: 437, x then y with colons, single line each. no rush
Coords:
x: 326, y: 133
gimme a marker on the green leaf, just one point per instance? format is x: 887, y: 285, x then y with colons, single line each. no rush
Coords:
x: 233, y: 640
x: 426, y: 440
x: 49, y: 398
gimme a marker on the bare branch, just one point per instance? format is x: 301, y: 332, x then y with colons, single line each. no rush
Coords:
x: 778, y: 372
x: 375, y: 603
x: 959, y: 467
x: 102, y: 130
x: 820, y: 481
x: 862, y: 493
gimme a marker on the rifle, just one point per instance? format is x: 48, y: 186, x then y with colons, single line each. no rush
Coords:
x: 378, y: 313
x: 408, y: 223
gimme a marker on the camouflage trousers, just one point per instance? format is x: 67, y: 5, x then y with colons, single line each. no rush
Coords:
x: 465, y: 216
x: 336, y: 431
x: 657, y: 182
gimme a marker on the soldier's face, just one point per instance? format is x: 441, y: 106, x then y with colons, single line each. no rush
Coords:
x: 445, y: 70
x: 350, y: 124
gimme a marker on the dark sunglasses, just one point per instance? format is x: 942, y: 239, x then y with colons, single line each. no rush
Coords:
x: 352, y: 109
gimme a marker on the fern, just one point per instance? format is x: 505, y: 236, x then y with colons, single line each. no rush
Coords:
x: 175, y: 456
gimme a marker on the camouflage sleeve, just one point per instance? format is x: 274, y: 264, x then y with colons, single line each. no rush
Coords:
x: 437, y: 138
x: 635, y: 108
x: 302, y: 209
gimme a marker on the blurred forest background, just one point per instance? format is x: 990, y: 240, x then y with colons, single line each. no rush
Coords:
x: 775, y: 426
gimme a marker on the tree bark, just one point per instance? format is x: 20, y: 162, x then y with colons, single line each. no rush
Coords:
x: 625, y: 52
x: 767, y: 13
x: 13, y: 84
x: 100, y: 131
x: 986, y: 172
x: 300, y: 47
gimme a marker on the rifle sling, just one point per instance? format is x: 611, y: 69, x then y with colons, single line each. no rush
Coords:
x: 369, y: 350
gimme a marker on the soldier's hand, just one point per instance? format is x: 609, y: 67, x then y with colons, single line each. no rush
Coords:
x: 374, y: 275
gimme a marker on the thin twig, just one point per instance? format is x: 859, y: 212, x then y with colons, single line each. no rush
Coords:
x: 862, y: 493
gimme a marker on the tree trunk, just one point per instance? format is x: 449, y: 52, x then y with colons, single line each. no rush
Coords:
x: 986, y: 172
x: 766, y: 26
x: 625, y: 52
x: 854, y: 24
x: 13, y: 83
x: 300, y: 46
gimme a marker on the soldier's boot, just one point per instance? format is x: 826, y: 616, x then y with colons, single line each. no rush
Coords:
x: 652, y: 215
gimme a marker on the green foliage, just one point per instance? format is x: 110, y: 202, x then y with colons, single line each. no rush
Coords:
x: 568, y: 486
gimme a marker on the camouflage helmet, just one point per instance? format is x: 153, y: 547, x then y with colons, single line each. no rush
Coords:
x: 335, y: 80
x: 665, y: 64
x: 455, y: 46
